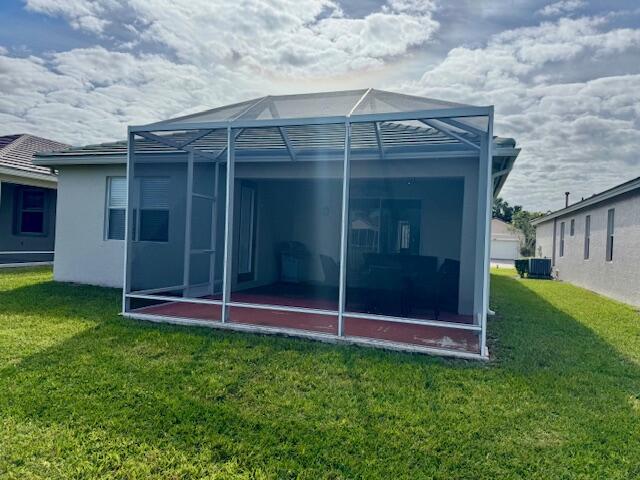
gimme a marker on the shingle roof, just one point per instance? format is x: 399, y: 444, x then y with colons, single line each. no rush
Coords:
x: 17, y: 152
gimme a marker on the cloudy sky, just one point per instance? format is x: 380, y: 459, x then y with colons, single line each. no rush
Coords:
x: 564, y: 76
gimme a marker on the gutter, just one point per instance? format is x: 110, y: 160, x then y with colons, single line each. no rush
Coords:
x: 18, y: 173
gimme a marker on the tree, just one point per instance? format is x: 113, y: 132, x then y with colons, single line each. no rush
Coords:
x: 522, y: 221
x: 504, y: 211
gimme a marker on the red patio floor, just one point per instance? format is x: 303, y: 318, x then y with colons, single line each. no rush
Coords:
x: 411, y: 334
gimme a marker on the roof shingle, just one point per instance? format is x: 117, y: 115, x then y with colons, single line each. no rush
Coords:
x: 17, y: 152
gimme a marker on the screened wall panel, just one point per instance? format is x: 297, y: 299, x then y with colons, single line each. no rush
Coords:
x: 158, y: 209
x: 286, y: 240
x: 404, y: 244
x: 177, y: 241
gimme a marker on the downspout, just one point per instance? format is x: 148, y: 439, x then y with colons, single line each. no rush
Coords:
x: 553, y: 250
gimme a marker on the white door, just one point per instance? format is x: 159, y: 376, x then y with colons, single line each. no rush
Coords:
x: 504, y: 249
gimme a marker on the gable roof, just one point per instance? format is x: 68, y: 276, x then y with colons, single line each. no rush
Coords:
x: 501, y: 230
x: 592, y: 200
x: 17, y: 153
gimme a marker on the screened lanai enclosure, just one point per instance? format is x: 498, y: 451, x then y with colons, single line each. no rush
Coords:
x: 355, y: 216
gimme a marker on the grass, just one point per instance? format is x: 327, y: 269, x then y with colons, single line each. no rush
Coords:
x: 87, y: 394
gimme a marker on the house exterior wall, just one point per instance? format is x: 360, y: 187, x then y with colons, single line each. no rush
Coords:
x: 10, y: 239
x: 619, y: 278
x: 544, y: 240
x: 83, y: 254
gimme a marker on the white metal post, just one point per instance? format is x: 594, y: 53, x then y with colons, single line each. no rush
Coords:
x: 483, y: 234
x: 344, y: 229
x: 186, y: 275
x: 128, y: 223
x: 228, y: 231
x: 214, y: 232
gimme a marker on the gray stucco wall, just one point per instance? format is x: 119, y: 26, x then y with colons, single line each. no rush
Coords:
x: 619, y: 278
x: 544, y: 240
x: 82, y: 253
x: 10, y: 239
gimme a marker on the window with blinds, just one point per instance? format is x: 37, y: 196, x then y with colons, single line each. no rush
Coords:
x: 116, y: 207
x: 154, y: 209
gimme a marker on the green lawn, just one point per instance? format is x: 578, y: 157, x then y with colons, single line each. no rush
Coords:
x: 86, y: 394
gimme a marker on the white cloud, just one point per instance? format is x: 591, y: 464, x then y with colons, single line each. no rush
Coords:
x: 578, y: 128
x: 576, y: 136
x: 207, y: 53
x: 88, y: 95
x: 291, y: 37
x: 82, y: 14
x: 561, y: 7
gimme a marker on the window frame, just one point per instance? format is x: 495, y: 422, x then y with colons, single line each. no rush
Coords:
x: 572, y: 227
x: 108, y: 208
x: 587, y: 237
x: 561, y: 246
x: 610, y: 234
x: 22, y: 190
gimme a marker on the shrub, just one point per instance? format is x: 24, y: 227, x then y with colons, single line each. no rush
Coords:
x: 522, y: 266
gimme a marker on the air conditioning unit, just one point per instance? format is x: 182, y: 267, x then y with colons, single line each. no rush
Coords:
x: 539, y: 268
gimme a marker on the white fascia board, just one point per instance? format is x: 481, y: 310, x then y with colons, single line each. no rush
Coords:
x: 601, y: 197
x: 111, y: 159
x: 56, y: 161
x: 15, y: 175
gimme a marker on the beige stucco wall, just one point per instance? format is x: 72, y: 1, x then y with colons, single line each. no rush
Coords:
x: 82, y: 253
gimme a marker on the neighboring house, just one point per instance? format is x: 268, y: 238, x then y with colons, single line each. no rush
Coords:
x: 506, y: 241
x: 27, y: 201
x: 406, y: 266
x: 595, y: 243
